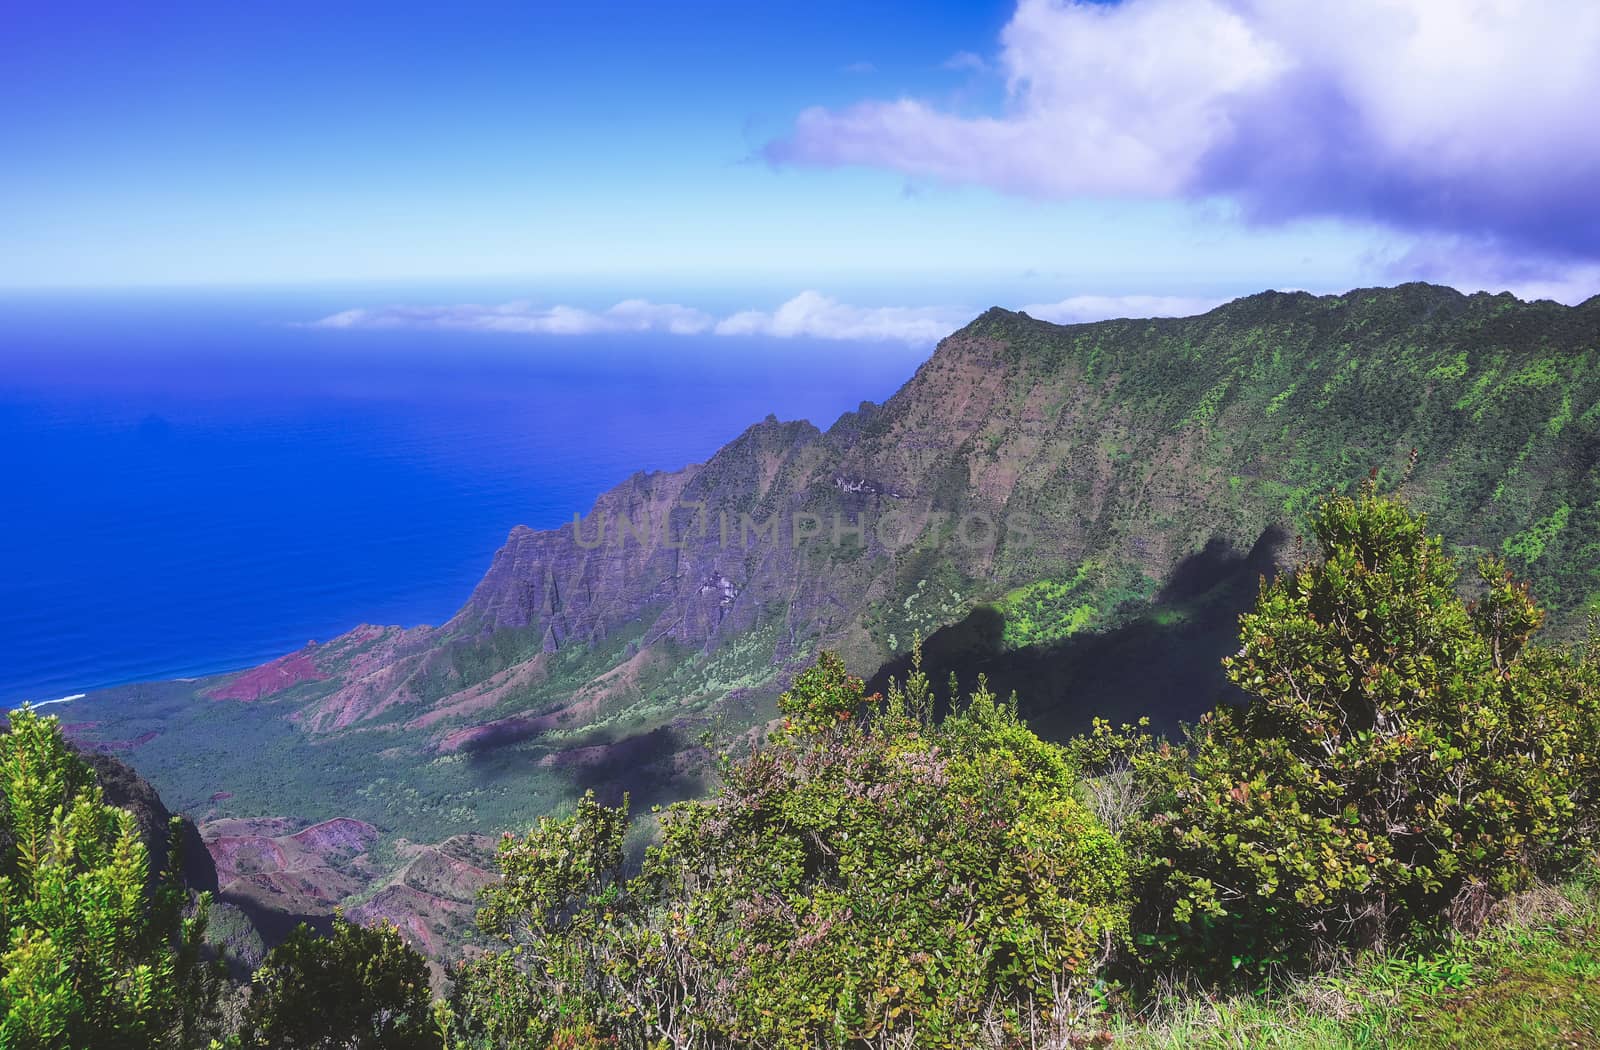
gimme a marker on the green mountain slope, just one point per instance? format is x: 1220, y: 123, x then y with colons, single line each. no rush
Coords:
x: 1092, y: 504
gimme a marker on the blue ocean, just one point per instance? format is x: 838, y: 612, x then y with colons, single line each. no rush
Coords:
x: 192, y: 485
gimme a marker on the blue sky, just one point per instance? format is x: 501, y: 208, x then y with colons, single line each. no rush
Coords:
x: 730, y: 156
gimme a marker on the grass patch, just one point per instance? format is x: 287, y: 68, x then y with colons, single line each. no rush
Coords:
x: 1532, y: 980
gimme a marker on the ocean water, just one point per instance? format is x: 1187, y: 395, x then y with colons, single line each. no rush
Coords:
x: 188, y: 487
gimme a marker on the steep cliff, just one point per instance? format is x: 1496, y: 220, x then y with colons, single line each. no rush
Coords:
x: 1055, y: 471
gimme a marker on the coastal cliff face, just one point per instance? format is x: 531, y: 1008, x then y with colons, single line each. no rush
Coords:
x: 1022, y: 460
x: 1046, y: 501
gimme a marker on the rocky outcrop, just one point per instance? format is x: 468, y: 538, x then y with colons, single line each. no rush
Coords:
x: 126, y: 789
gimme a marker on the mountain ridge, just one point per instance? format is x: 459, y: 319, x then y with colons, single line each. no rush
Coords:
x: 1040, y: 486
x: 548, y: 589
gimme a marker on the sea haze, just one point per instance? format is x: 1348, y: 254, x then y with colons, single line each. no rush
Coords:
x: 195, y: 486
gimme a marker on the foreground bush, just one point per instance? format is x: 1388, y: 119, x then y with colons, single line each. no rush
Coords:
x: 1405, y: 760
x: 361, y: 988
x: 844, y: 886
x: 93, y: 952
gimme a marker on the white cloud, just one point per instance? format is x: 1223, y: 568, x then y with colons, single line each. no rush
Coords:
x: 1101, y: 101
x: 808, y: 315
x: 1080, y: 308
x: 1462, y: 117
x: 816, y: 316
x: 630, y: 315
x: 1481, y: 266
x: 641, y: 315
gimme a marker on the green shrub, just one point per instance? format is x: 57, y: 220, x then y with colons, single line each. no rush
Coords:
x: 848, y: 886
x: 1406, y: 757
x: 555, y: 906
x: 507, y: 998
x: 362, y: 988
x: 822, y: 696
x: 92, y: 951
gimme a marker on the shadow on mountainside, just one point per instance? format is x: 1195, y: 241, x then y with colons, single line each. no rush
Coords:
x: 644, y: 766
x: 1165, y: 665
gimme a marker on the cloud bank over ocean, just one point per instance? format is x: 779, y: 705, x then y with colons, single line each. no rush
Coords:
x: 809, y: 315
x: 814, y: 315
x: 523, y: 316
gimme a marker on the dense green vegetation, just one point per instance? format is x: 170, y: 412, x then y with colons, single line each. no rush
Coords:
x: 1407, y: 756
x: 261, y: 760
x: 1049, y: 610
x: 93, y: 950
x: 97, y: 952
x: 845, y: 884
x: 359, y: 988
x: 1274, y: 399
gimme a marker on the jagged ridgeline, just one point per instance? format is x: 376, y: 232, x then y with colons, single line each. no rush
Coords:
x: 1078, y: 510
